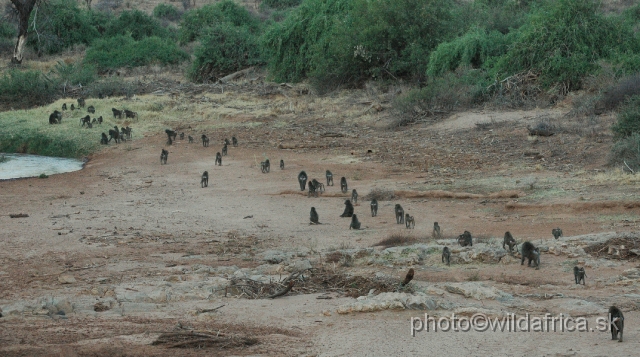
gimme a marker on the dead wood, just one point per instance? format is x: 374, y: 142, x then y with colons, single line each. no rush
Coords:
x: 235, y: 75
x: 18, y: 215
x: 283, y: 291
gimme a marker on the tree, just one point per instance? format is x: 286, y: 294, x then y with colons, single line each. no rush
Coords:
x: 24, y: 8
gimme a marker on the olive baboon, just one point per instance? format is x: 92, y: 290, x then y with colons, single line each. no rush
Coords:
x: 218, y: 159
x: 204, y: 181
x: 312, y: 189
x: 302, y: 180
x: 408, y: 278
x: 190, y: 139
x: 127, y: 132
x: 508, y: 241
x: 399, y: 214
x: 164, y: 155
x: 374, y: 207
x: 130, y: 114
x: 530, y: 252
x: 91, y: 109
x: 205, y: 140
x: 114, y: 134
x: 100, y: 120
x: 579, y: 275
x: 94, y: 120
x: 81, y: 102
x: 265, y: 166
x: 348, y: 209
x: 85, y: 120
x: 55, y: 117
x: 116, y: 113
x: 355, y: 224
x: 72, y: 107
x: 89, y: 125
x: 354, y: 196
x: 170, y: 134
x: 446, y: 255
x: 313, y: 217
x: 182, y: 136
x: 319, y: 185
x: 234, y: 141
x: 329, y: 178
x: 224, y: 150
x: 226, y: 141
x: 64, y: 106
x: 616, y: 319
x: 103, y: 139
x: 281, y: 164
x: 343, y: 185
x: 557, y: 233
x: 465, y: 239
x: 409, y: 221
x: 436, y: 231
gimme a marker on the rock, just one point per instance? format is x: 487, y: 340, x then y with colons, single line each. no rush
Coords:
x: 477, y: 291
x: 299, y: 266
x: 66, y: 279
x: 479, y: 253
x: 173, y: 278
x: 63, y: 306
x: 100, y: 307
x: 389, y: 301
x: 274, y: 256
x: 576, y: 307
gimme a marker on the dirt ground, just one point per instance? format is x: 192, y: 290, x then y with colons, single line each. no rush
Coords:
x: 131, y: 232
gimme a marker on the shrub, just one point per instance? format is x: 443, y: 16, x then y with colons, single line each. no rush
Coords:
x: 627, y: 151
x: 124, y: 51
x: 166, y: 11
x: 110, y: 87
x: 26, y: 88
x: 74, y: 74
x: 195, y: 21
x: 138, y: 25
x: 281, y: 4
x: 628, y: 122
x: 617, y: 94
x: 8, y: 30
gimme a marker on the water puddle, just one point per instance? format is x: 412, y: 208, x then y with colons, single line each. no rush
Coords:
x: 23, y: 165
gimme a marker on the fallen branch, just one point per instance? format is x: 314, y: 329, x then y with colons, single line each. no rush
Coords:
x: 625, y: 164
x: 18, y: 215
x: 235, y: 75
x: 202, y: 311
x: 283, y: 291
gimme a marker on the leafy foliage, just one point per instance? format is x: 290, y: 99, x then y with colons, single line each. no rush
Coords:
x: 26, y: 88
x: 195, y: 21
x: 627, y: 151
x: 138, y: 24
x: 281, y: 4
x: 166, y: 11
x: 628, y: 122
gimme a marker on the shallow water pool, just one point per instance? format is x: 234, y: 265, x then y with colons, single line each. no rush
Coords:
x: 23, y: 165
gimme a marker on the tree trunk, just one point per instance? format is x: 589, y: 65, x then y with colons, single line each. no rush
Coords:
x: 24, y: 8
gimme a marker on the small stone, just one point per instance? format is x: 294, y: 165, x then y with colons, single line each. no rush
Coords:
x: 66, y: 279
x: 100, y: 307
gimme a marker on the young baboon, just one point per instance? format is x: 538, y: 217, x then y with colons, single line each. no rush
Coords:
x: 91, y: 109
x: 234, y: 141
x: 302, y: 180
x: 224, y: 150
x: 94, y: 120
x: 116, y: 113
x: 281, y: 164
x: 205, y: 140
x: 312, y: 189
x: 355, y: 224
x: 190, y: 139
x: 465, y: 239
x: 354, y: 196
x: 55, y: 117
x: 265, y: 166
x: 343, y: 185
x: 557, y: 233
x: 103, y: 139
x: 64, y: 106
x: 130, y: 114
x: 579, y: 275
x: 436, y: 231
x: 409, y: 221
x: 89, y: 125
x: 218, y: 159
x: 164, y: 155
x: 399, y: 214
x: 226, y: 141
x: 100, y: 120
x: 348, y: 209
x: 182, y: 136
x: 329, y: 178
x: 319, y: 186
x: 127, y: 131
x: 81, y: 102
x: 530, y: 252
x: 313, y: 216
x: 72, y: 107
x: 508, y: 241
x: 446, y: 255
x: 85, y: 120
x: 374, y: 207
x: 616, y: 319
x: 204, y: 181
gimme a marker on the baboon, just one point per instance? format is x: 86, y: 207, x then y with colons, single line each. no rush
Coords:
x: 313, y: 217
x: 226, y: 141
x: 446, y: 255
x: 218, y: 159
x: 127, y: 131
x: 190, y: 139
x: 399, y: 214
x: 579, y: 275
x: 72, y: 107
x: 85, y: 120
x: 302, y: 180
x: 95, y: 120
x: 224, y: 150
x: 265, y: 166
x: 64, y: 106
x: 130, y: 114
x: 354, y: 196
x: 234, y: 141
x: 81, y: 102
x: 91, y: 109
x: 103, y: 139
x: 116, y: 113
x: 436, y: 231
x: 355, y: 224
x: 508, y: 241
x: 312, y: 189
x: 408, y: 277
x: 55, y: 117
x: 409, y: 221
x: 319, y: 186
x: 89, y: 125
x: 374, y: 207
x: 281, y: 164
x: 114, y: 134
x: 182, y: 136
x: 465, y: 239
x: 204, y: 181
x: 205, y: 140
x: 343, y: 185
x: 617, y: 322
x: 329, y: 178
x: 170, y: 134
x: 164, y: 155
x: 530, y: 252
x: 100, y: 120
x: 557, y: 233
x: 348, y: 209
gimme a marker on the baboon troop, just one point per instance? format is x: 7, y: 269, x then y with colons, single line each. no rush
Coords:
x: 205, y: 140
x: 85, y: 120
x: 465, y: 239
x: 224, y: 149
x: 302, y: 180
x: 218, y: 158
x: 313, y: 216
x: 348, y: 209
x: 190, y: 139
x: 446, y: 255
x: 116, y: 113
x: 129, y: 114
x: 55, y: 117
x: 508, y: 241
x: 355, y: 224
x: 557, y: 233
x: 436, y: 231
x: 329, y: 178
x: 81, y: 102
x: 170, y: 134
x: 399, y: 214
x: 281, y: 164
x: 204, y: 181
x: 103, y: 139
x: 265, y: 166
x: 343, y: 185
x: 182, y: 136
x: 530, y: 252
x: 354, y: 196
x: 91, y: 109
x: 374, y: 207
x: 409, y: 222
x: 64, y: 106
x: 579, y: 275
x: 164, y: 155
x: 617, y: 323
x: 234, y: 141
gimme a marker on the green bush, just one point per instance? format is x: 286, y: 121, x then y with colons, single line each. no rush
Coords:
x: 124, y: 51
x: 224, y: 49
x: 628, y: 121
x: 194, y: 21
x: 138, y: 24
x: 26, y: 88
x: 74, y: 74
x: 166, y: 11
x: 8, y: 30
x: 281, y: 4
x: 627, y: 151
